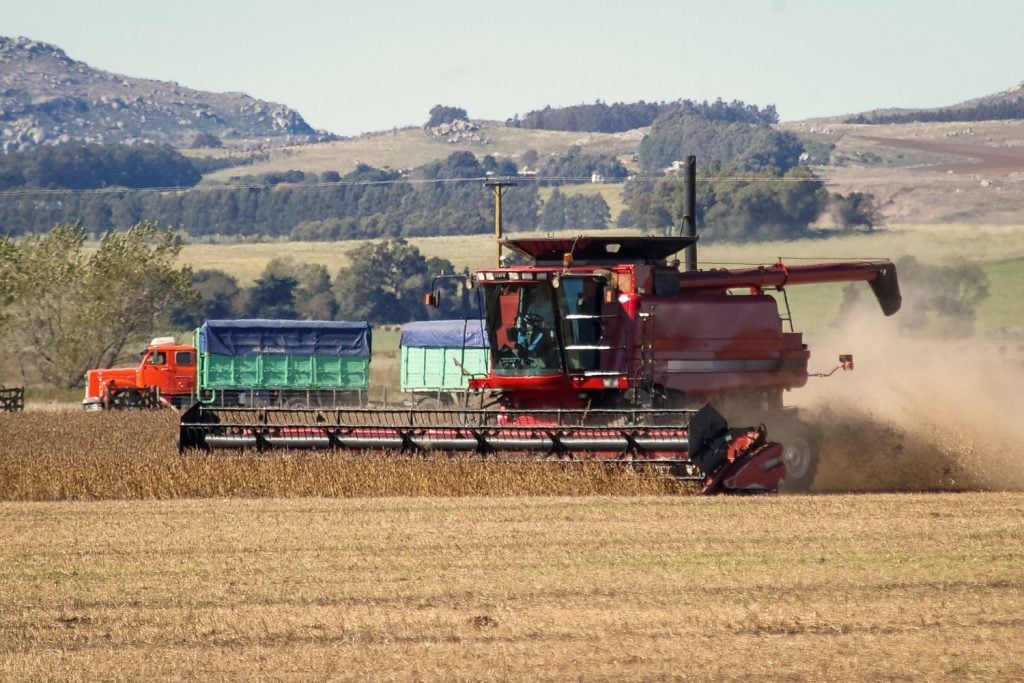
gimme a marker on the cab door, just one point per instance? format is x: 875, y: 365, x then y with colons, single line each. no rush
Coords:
x: 183, y: 370
x: 155, y: 370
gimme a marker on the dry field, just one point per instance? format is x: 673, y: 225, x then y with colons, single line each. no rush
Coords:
x: 962, y: 172
x: 904, y: 587
x: 123, y: 560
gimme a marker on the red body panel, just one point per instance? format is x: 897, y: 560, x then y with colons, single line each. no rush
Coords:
x: 685, y: 333
x: 706, y: 344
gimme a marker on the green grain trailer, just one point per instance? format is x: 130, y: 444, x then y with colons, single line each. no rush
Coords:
x: 439, y: 357
x: 283, y: 362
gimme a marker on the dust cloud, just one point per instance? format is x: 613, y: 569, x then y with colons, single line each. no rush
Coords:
x: 916, y: 413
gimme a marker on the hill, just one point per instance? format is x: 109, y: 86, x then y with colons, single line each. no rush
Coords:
x: 1007, y: 104
x: 46, y: 97
x: 920, y: 173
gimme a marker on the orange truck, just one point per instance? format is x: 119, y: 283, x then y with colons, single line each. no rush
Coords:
x: 298, y: 363
x: 166, y: 375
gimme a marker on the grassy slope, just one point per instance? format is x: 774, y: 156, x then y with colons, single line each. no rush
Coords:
x: 413, y: 147
x: 825, y: 588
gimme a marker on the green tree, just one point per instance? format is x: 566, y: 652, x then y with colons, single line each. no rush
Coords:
x: 313, y: 298
x: 386, y: 281
x: 733, y: 207
x: 71, y: 311
x: 272, y: 296
x: 219, y: 299
x: 441, y: 114
x: 8, y: 274
x: 747, y: 146
x: 855, y: 210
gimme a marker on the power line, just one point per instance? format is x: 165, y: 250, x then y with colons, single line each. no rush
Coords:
x: 521, y: 179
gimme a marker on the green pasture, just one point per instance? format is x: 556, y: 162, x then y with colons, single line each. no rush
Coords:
x: 1004, y: 307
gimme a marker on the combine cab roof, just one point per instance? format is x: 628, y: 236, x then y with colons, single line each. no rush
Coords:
x: 604, y: 249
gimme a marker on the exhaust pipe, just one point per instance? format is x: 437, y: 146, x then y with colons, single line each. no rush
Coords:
x: 690, y: 212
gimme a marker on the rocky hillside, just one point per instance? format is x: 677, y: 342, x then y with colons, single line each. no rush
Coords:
x: 48, y: 98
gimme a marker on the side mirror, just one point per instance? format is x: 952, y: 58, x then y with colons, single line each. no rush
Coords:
x: 433, y: 298
x: 846, y: 361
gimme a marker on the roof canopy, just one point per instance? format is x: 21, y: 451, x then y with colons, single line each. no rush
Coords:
x: 604, y: 249
x: 469, y: 334
x: 298, y: 337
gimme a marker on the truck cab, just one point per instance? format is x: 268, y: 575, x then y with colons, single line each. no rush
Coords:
x: 167, y: 369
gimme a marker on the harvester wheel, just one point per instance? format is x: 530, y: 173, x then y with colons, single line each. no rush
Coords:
x: 801, y: 460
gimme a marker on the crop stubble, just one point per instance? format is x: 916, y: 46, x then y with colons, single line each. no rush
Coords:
x: 835, y: 587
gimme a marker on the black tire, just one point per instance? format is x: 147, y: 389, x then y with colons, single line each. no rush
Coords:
x: 800, y: 456
x: 801, y: 453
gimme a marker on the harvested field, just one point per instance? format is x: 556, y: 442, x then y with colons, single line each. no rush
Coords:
x: 915, y: 587
x: 321, y: 566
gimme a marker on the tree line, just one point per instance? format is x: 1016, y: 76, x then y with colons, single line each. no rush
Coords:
x: 444, y: 197
x: 999, y: 110
x: 88, y: 166
x: 738, y: 206
x: 622, y: 116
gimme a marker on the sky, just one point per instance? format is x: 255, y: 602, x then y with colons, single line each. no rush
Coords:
x: 354, y: 67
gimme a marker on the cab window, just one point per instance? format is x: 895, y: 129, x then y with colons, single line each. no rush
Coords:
x: 183, y: 358
x: 521, y: 327
x: 158, y: 358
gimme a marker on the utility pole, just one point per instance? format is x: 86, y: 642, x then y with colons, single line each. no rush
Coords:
x: 499, y: 185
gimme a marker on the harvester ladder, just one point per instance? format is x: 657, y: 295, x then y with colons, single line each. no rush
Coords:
x: 645, y: 366
x: 788, y: 316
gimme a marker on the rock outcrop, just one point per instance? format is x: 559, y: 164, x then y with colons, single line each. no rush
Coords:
x: 48, y: 98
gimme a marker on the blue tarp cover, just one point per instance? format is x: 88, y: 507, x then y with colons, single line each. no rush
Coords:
x: 297, y: 337
x: 458, y: 334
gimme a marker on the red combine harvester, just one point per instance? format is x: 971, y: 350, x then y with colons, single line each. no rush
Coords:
x: 603, y: 347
